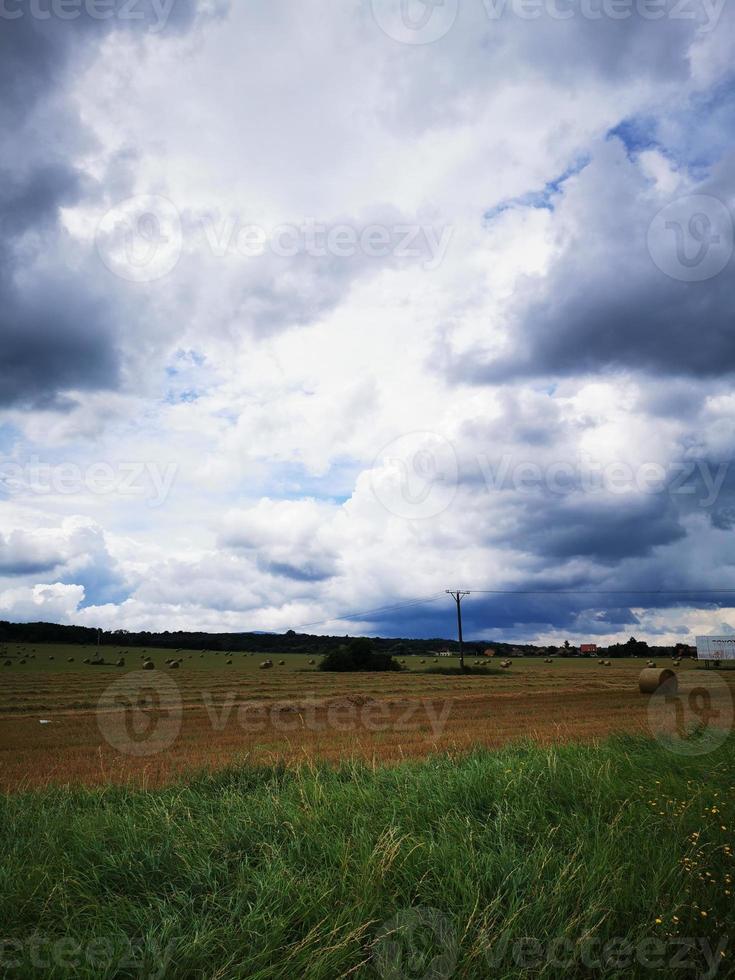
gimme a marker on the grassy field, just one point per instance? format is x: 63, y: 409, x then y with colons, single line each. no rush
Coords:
x: 607, y: 860
x: 219, y: 820
x: 235, y: 712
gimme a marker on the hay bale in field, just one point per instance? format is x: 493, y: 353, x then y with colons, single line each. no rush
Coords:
x: 281, y: 663
x: 265, y: 665
x: 608, y: 663
x: 601, y: 663
x: 228, y: 663
x: 22, y: 661
x: 422, y: 661
x: 174, y: 665
x: 651, y: 664
x: 51, y: 658
x: 120, y: 662
x: 311, y: 662
x: 149, y: 665
x: 70, y: 660
x: 652, y: 679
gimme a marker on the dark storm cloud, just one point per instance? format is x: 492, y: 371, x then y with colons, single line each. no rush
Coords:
x: 601, y: 532
x: 605, y: 304
x: 310, y: 571
x: 501, y: 616
x: 60, y: 322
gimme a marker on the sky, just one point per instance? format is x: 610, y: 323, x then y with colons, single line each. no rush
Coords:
x: 311, y: 310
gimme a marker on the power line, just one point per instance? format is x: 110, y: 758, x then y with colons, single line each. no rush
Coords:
x: 693, y: 591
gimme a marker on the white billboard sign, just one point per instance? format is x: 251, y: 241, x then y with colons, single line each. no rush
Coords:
x: 716, y: 647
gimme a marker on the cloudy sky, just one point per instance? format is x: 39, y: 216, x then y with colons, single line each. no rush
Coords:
x: 314, y: 308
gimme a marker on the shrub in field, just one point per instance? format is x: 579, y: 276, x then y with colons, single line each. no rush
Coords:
x: 359, y: 654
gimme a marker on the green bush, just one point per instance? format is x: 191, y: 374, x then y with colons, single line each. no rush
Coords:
x: 359, y: 654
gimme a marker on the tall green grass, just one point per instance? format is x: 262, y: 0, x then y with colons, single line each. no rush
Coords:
x: 256, y: 872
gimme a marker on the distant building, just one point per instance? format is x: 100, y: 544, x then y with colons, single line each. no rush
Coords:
x: 588, y: 648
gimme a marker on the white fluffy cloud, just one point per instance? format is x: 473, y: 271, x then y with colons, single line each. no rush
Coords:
x: 511, y: 395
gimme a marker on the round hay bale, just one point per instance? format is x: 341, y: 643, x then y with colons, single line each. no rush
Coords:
x: 311, y: 662
x: 70, y: 660
x: 22, y: 661
x: 265, y: 665
x: 228, y: 663
x: 281, y: 663
x: 121, y: 662
x: 422, y: 661
x: 51, y: 658
x: 652, y: 679
x: 149, y: 665
x: 651, y: 663
x: 608, y: 663
x: 174, y: 665
x: 601, y: 663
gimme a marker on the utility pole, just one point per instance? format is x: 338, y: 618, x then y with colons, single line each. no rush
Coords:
x: 458, y: 596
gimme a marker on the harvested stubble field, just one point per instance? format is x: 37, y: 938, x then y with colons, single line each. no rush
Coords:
x: 236, y: 712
